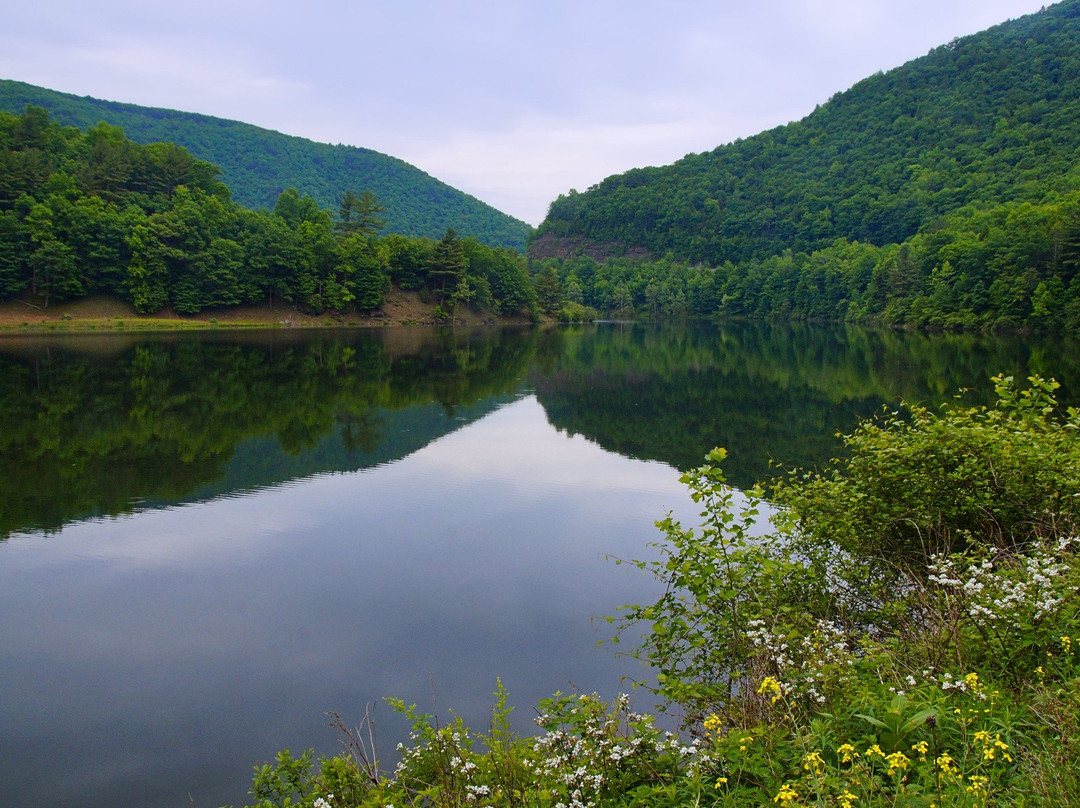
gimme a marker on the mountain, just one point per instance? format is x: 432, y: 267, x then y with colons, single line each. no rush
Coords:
x: 257, y: 164
x: 984, y: 120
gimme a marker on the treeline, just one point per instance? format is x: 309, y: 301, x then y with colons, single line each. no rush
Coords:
x: 1012, y: 266
x: 257, y: 164
x: 95, y: 213
x: 988, y: 118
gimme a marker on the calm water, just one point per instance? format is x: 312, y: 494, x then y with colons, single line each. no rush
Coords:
x: 208, y: 541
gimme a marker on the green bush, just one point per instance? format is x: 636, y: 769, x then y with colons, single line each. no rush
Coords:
x: 577, y: 313
x: 915, y: 483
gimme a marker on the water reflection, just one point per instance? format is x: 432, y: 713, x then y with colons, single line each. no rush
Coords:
x: 768, y: 393
x: 103, y: 425
x: 213, y: 539
x: 162, y: 653
x: 92, y: 426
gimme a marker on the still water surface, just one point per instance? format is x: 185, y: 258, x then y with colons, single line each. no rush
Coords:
x: 211, y: 540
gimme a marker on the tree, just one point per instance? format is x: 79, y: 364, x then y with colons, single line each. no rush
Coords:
x: 14, y: 247
x: 294, y: 209
x: 359, y: 214
x: 549, y: 294
x: 361, y: 273
x: 109, y: 160
x: 148, y: 271
x: 448, y: 265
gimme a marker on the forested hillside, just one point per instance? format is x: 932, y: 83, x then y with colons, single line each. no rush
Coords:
x: 258, y: 164
x: 943, y: 193
x: 989, y: 118
x: 93, y: 213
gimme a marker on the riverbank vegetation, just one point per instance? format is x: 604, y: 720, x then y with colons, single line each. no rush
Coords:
x: 901, y: 631
x: 93, y: 213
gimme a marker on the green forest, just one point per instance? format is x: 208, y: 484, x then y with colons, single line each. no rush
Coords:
x: 94, y: 213
x: 943, y: 193
x: 258, y: 164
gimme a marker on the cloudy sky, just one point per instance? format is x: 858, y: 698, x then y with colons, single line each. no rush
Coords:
x: 513, y: 101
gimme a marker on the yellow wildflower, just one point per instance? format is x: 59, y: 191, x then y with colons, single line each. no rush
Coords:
x: 786, y: 797
x: 1004, y: 747
x: 945, y: 763
x: 847, y: 799
x: 770, y: 685
x: 922, y: 747
x: 972, y: 682
x: 847, y: 753
x: 713, y: 724
x: 813, y: 763
x: 978, y: 784
x: 898, y: 762
x: 720, y: 781
x: 875, y: 750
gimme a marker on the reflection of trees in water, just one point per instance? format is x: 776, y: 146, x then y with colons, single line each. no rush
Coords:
x: 94, y: 425
x: 86, y: 429
x: 765, y: 392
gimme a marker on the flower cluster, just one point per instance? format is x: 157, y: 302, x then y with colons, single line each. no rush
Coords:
x: 589, y: 746
x: 995, y: 586
x: 807, y: 666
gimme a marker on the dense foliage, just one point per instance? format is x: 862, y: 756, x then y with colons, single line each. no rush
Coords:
x: 1010, y: 266
x: 821, y: 660
x: 941, y: 193
x: 258, y: 164
x: 95, y: 213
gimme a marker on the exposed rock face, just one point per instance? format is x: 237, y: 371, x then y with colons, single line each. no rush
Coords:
x: 551, y: 245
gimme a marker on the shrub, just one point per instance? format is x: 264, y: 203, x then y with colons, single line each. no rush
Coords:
x: 915, y: 483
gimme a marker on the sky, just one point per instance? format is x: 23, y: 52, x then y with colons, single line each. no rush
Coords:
x: 512, y: 101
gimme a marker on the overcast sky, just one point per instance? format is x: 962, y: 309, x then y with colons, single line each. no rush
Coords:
x: 513, y: 101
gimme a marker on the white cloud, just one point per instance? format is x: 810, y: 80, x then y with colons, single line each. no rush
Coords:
x: 513, y: 101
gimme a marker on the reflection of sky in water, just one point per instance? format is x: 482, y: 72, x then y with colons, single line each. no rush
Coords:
x: 149, y: 656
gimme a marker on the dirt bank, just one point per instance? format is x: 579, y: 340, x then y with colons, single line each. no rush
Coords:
x: 401, y: 308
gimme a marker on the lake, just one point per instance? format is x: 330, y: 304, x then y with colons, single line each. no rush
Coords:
x: 209, y: 540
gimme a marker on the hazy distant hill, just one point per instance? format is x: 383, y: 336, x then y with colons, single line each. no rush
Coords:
x: 988, y: 118
x: 257, y: 164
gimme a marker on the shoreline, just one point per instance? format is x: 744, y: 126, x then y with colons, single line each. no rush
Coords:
x: 104, y: 314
